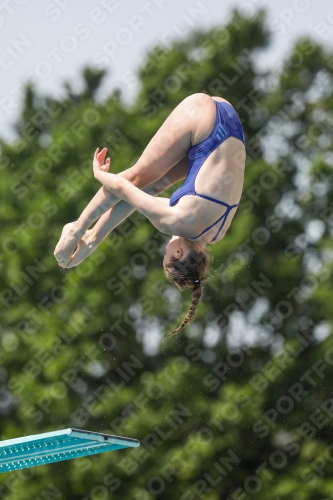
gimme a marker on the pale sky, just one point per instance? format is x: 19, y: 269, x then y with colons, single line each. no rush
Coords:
x: 51, y: 41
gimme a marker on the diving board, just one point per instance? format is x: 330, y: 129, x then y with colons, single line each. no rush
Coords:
x: 49, y: 447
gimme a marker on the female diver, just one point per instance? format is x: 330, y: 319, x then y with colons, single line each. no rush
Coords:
x: 202, y: 140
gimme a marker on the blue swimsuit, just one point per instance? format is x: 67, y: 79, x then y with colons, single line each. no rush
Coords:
x: 227, y: 125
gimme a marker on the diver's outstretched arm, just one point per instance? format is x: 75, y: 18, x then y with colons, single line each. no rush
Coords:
x: 161, y: 215
x: 90, y: 239
x: 104, y: 226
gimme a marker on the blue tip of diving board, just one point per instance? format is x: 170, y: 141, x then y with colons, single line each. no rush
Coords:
x: 49, y: 447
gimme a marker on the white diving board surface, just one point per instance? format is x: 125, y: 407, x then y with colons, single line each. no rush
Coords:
x: 49, y: 447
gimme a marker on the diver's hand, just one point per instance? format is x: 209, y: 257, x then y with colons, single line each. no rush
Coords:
x: 99, y: 162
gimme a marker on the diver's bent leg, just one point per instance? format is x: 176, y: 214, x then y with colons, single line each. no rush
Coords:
x: 189, y: 123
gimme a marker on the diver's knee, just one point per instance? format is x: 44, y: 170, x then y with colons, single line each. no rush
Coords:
x: 134, y: 176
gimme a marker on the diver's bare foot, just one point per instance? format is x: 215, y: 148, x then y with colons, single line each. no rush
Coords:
x: 69, y: 238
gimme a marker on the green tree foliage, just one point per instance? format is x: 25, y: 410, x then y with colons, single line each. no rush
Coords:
x: 239, y: 405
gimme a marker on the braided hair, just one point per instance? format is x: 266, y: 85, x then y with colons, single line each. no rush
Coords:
x: 189, y: 272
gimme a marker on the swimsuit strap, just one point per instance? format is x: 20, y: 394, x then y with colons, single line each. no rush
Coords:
x: 214, y: 200
x: 223, y: 217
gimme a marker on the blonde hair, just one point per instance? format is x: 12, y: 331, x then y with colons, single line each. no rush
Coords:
x: 189, y: 272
